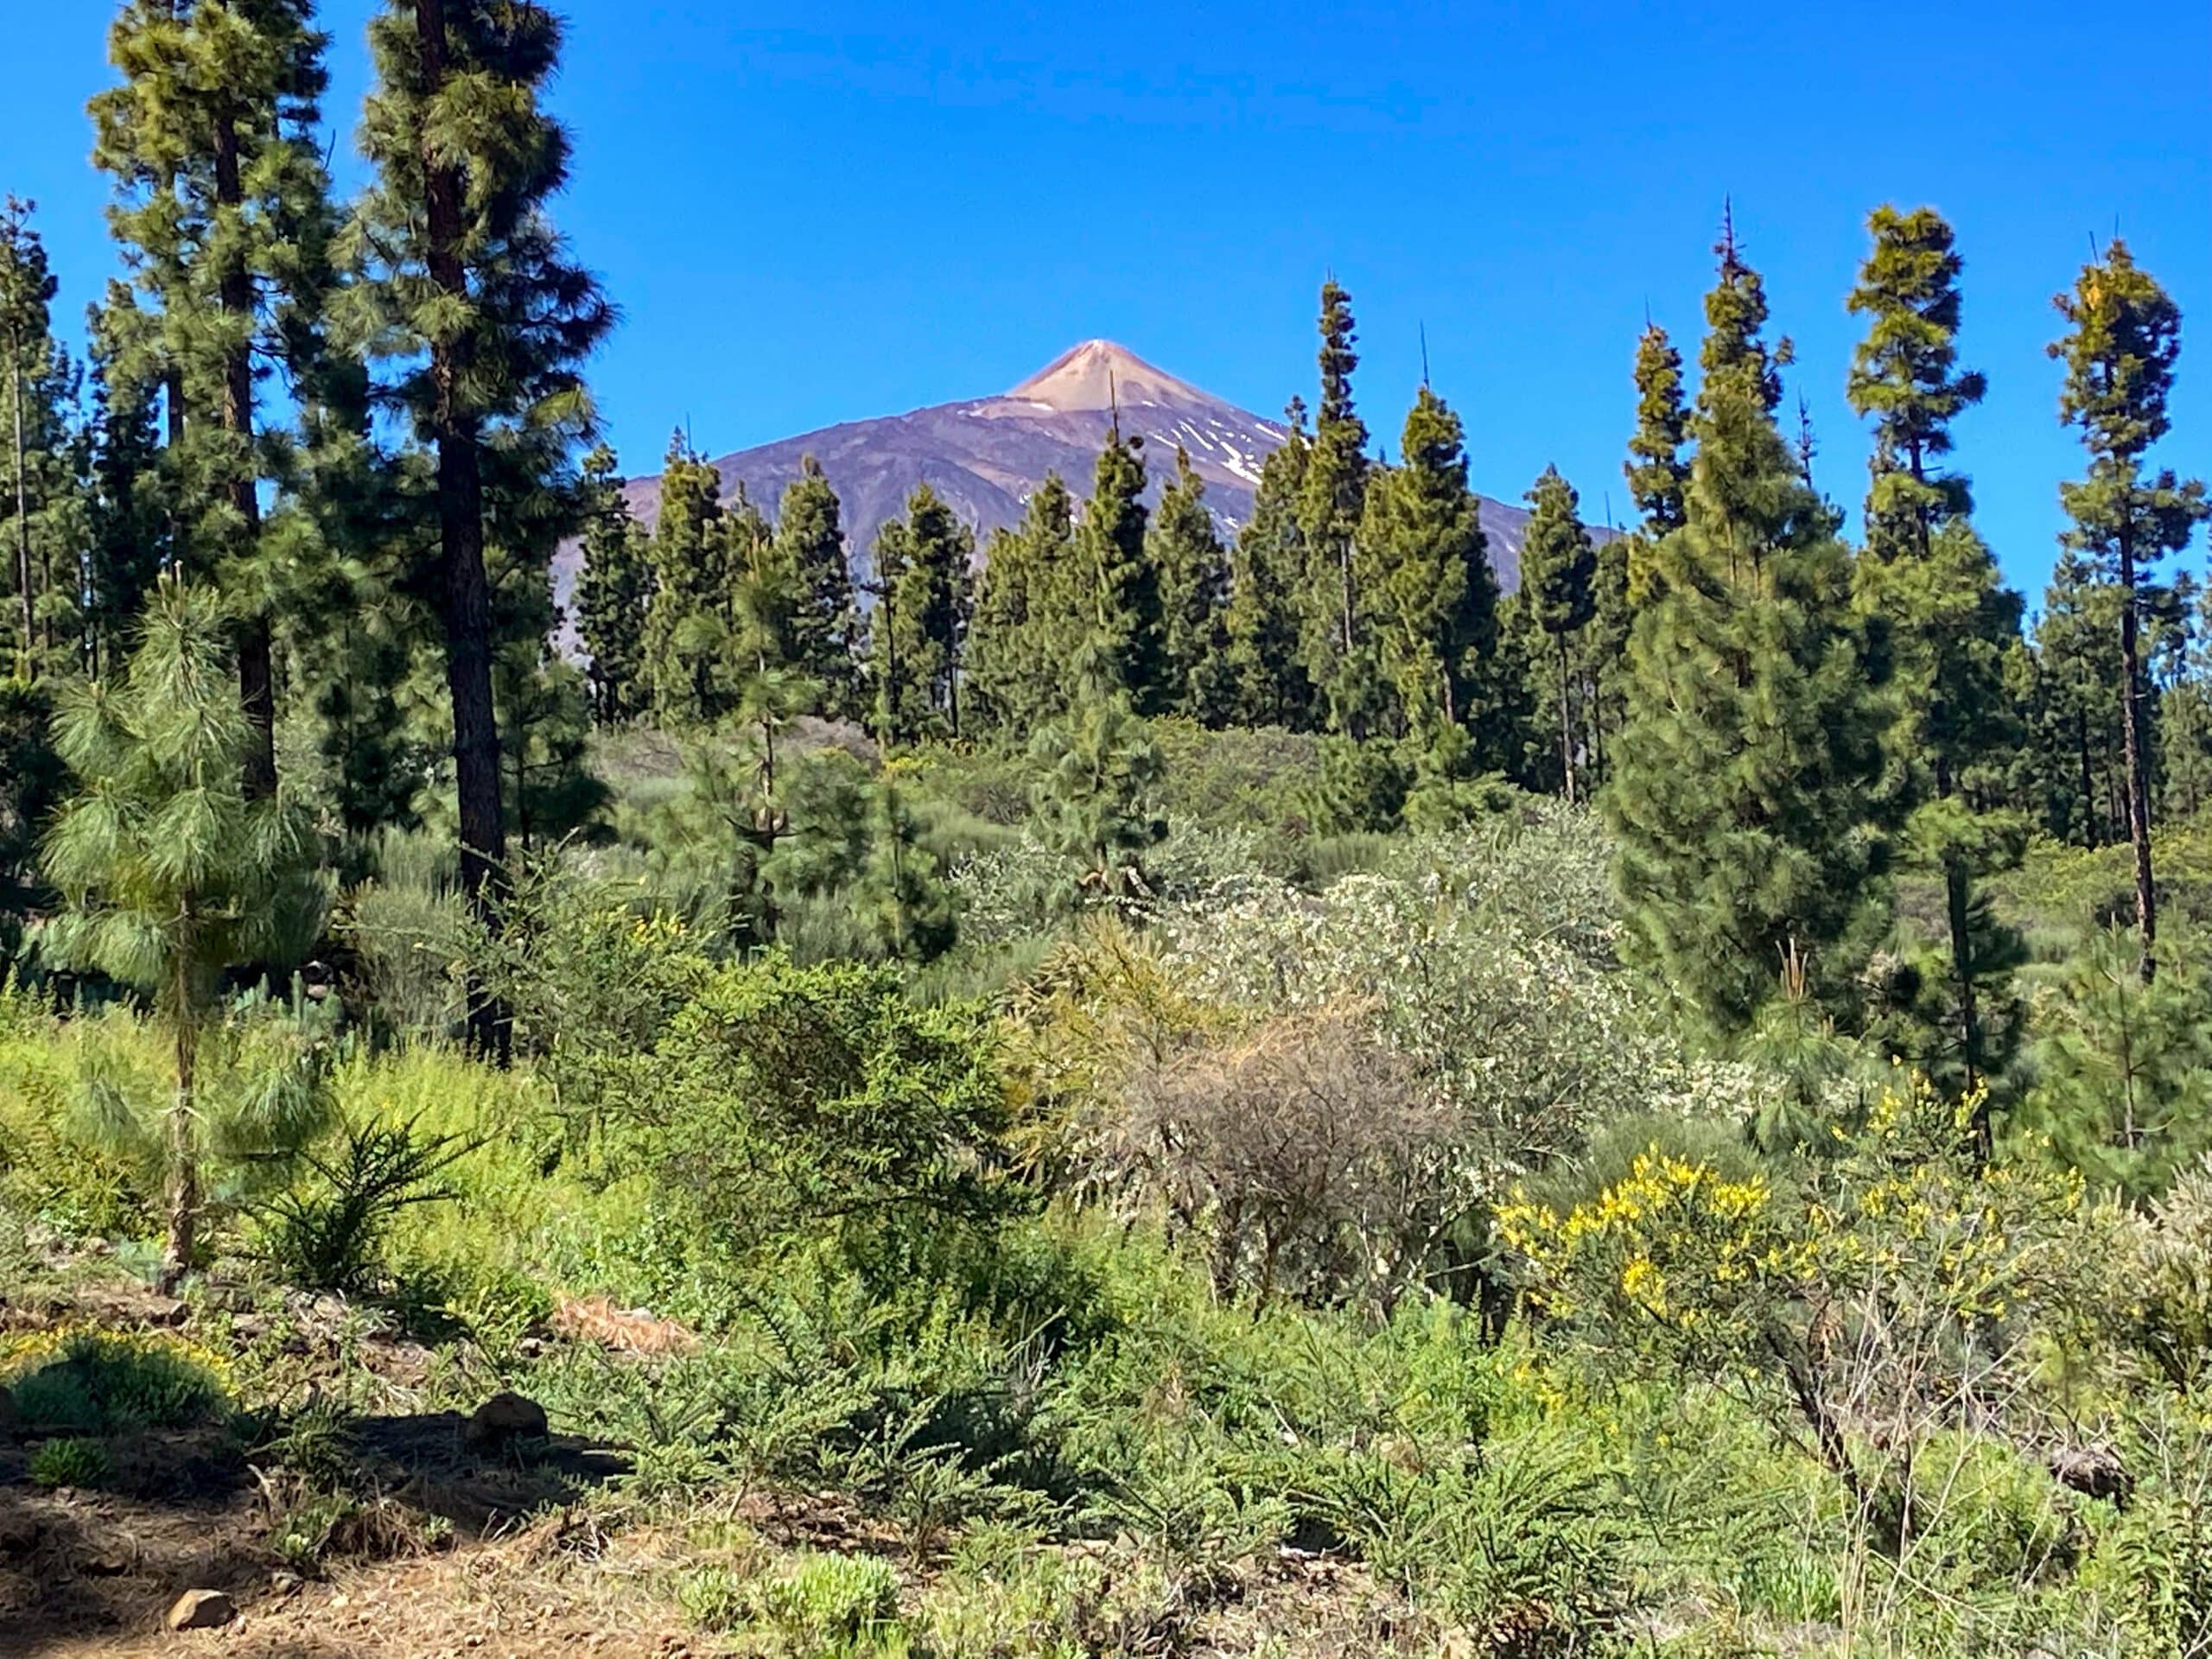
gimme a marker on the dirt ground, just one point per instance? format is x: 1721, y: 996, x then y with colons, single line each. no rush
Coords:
x: 513, y: 1568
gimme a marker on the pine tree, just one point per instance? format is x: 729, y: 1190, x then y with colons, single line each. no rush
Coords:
x: 998, y: 673
x: 172, y: 873
x: 1097, y: 803
x: 1559, y: 574
x: 127, y: 538
x: 614, y: 596
x: 1605, y: 652
x: 824, y: 621
x: 920, y: 622
x: 1192, y: 567
x: 223, y: 209
x: 1743, y: 786
x: 899, y: 892
x: 1657, y: 469
x: 1034, y: 610
x: 469, y: 291
x: 1128, y: 627
x: 688, y: 622
x: 1423, y: 569
x: 2074, y: 713
x: 1331, y: 500
x: 32, y: 783
x: 1266, y: 584
x: 545, y: 709
x: 2186, y: 702
x: 1931, y: 585
x: 43, y: 456
x: 2120, y: 368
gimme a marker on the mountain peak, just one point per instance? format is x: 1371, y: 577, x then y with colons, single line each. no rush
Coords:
x: 1097, y: 374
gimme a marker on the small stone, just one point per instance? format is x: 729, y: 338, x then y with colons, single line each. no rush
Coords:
x: 201, y: 1610
x: 166, y: 1313
x: 506, y: 1416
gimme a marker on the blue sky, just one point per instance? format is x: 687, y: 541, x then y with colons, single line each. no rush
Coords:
x: 817, y: 212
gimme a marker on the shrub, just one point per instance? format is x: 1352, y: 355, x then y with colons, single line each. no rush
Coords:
x: 328, y: 1235
x: 1501, y: 1049
x: 818, y: 1606
x: 71, y: 1461
x: 819, y: 1102
x: 1304, y: 1147
x: 98, y: 1383
x: 1887, y: 1297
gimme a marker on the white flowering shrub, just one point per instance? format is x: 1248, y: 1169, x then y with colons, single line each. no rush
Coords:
x: 1484, y: 1043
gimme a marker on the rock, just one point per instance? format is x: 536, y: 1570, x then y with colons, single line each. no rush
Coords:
x: 201, y: 1610
x: 167, y: 1313
x: 506, y: 1416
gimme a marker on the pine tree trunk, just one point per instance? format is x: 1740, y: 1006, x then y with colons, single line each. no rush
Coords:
x: 183, y: 1149
x: 257, y: 687
x: 1958, y: 896
x: 1566, y: 724
x: 2088, y: 781
x: 22, y: 503
x: 464, y: 591
x: 2138, y: 802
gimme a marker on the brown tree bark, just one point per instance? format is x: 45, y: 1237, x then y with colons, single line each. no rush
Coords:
x: 23, y: 505
x: 234, y: 293
x: 2139, y: 794
x: 464, y: 591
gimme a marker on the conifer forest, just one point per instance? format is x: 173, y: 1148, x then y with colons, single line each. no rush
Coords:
x: 1125, y: 1084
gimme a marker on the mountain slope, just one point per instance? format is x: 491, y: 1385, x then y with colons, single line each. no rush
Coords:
x: 985, y: 455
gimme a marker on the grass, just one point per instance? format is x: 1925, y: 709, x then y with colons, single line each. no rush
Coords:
x: 71, y: 1461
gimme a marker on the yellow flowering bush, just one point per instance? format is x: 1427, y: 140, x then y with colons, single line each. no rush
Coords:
x: 1863, y: 1303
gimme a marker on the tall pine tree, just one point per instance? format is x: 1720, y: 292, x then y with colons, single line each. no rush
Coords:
x: 1127, y: 630
x: 1751, y: 854
x: 1931, y: 586
x: 1033, y: 611
x: 1423, y: 568
x: 825, y: 621
x: 222, y: 210
x: 1265, y: 585
x: 1333, y: 496
x: 43, y: 457
x: 468, y: 293
x: 2119, y: 363
x: 1658, y: 467
x: 1559, y: 574
x: 1193, y: 570
x: 921, y: 621
x: 613, y: 596
x: 687, y: 625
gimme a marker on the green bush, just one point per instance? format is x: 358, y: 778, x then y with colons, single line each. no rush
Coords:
x: 70, y: 1462
x: 795, y: 1103
x: 329, y: 1234
x: 815, y: 1606
x: 100, y: 1383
